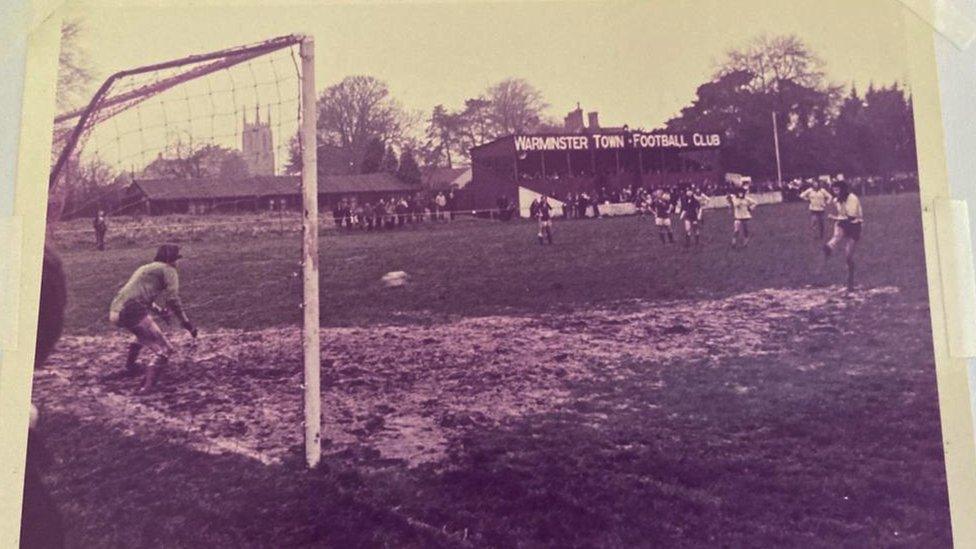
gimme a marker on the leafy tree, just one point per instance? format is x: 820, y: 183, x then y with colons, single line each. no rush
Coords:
x: 478, y: 126
x: 390, y: 163
x: 409, y: 171
x: 778, y: 76
x: 445, y: 137
x: 888, y: 118
x: 373, y: 156
x: 856, y: 153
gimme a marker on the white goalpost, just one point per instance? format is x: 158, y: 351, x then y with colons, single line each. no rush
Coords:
x: 310, y: 260
x: 188, y: 119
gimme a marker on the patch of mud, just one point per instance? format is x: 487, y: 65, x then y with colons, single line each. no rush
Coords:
x: 398, y: 393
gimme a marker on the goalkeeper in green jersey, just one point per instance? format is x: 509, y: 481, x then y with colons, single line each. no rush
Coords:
x: 153, y: 287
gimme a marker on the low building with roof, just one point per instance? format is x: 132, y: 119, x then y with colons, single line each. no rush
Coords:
x: 198, y: 196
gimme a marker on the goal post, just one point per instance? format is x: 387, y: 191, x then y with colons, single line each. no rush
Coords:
x: 156, y: 122
x: 310, y: 258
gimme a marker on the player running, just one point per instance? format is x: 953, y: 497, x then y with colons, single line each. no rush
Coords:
x: 847, y: 229
x: 742, y: 205
x: 689, y: 210
x: 818, y: 197
x: 662, y: 209
x: 152, y: 287
x: 543, y: 213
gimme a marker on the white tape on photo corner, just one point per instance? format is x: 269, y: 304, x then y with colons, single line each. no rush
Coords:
x: 957, y: 275
x: 10, y: 237
x: 947, y: 18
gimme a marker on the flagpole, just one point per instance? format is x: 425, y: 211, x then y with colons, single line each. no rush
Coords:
x: 779, y: 167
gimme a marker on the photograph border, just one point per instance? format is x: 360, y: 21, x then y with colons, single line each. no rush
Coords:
x: 16, y: 367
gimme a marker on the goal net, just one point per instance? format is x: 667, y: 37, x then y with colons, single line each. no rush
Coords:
x: 213, y: 144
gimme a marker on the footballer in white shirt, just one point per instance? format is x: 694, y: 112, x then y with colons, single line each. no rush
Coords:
x: 742, y: 206
x: 819, y: 198
x: 849, y: 218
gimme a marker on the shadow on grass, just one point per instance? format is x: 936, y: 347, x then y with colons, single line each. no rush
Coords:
x: 777, y: 465
x: 122, y: 491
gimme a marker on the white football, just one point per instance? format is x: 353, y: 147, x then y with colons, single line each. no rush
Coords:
x: 394, y: 279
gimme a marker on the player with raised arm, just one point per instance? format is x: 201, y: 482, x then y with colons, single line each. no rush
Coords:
x: 153, y: 287
x: 543, y: 213
x: 849, y: 219
x: 742, y: 205
x: 818, y: 197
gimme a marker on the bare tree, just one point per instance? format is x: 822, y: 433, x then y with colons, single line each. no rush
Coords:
x: 773, y: 60
x: 187, y: 161
x: 788, y: 76
x: 516, y: 106
x: 75, y: 72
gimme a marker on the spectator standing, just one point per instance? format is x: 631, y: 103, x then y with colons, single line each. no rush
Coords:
x: 101, y: 227
x: 440, y: 201
x: 401, y: 211
x: 368, y: 214
x: 360, y: 214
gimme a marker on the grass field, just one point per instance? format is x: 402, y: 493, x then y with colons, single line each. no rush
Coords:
x: 605, y: 391
x: 482, y: 268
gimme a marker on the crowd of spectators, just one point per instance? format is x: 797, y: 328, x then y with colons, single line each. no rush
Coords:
x: 399, y: 210
x: 393, y: 211
x: 587, y: 204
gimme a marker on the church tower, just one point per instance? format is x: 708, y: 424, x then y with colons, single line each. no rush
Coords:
x: 257, y: 145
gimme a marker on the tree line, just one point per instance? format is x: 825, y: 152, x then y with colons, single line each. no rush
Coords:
x: 823, y: 127
x: 360, y: 126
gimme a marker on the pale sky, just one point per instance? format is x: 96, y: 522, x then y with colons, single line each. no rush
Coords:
x: 635, y: 63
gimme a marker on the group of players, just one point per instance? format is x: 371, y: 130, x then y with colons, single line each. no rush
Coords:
x: 669, y: 207
x: 154, y: 288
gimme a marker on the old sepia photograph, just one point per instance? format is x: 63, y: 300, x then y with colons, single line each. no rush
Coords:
x: 485, y: 274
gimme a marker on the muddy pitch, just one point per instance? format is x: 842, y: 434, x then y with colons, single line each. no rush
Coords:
x: 402, y: 394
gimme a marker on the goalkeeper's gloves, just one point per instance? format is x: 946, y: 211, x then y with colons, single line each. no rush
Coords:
x: 188, y: 326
